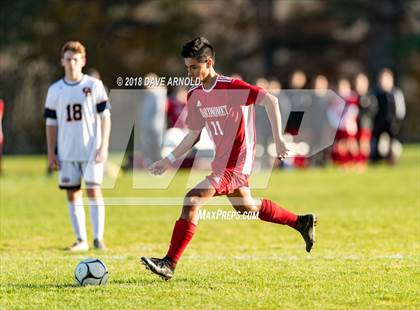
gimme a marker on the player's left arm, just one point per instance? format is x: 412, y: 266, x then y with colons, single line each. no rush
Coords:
x: 103, y: 108
x: 102, y: 153
x: 271, y: 105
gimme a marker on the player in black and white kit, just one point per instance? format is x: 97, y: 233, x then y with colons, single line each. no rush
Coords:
x: 78, y: 125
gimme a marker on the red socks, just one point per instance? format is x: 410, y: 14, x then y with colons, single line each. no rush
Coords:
x: 271, y: 212
x: 182, y: 234
x: 184, y: 230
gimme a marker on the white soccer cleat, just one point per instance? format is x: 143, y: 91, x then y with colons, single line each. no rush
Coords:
x: 79, y: 246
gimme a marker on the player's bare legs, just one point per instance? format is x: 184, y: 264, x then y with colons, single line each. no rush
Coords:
x: 195, y: 199
x: 97, y: 214
x: 183, y: 232
x: 78, y: 219
x: 241, y: 199
x: 74, y: 194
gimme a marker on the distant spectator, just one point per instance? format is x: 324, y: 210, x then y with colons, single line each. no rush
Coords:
x: 320, y: 86
x: 345, y: 148
x: 367, y: 109
x: 274, y: 86
x: 388, y: 119
x: 298, y: 79
x: 93, y: 72
x: 236, y: 76
x: 175, y: 107
x: 152, y: 120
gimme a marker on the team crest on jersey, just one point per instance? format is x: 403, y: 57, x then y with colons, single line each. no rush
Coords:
x: 199, y: 103
x: 87, y: 91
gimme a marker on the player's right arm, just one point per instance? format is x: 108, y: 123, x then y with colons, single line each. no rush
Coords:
x: 183, y: 147
x: 271, y: 105
x: 51, y: 130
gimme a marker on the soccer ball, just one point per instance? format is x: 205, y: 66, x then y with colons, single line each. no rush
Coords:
x: 91, y: 271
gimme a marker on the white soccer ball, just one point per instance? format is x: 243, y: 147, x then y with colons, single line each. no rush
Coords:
x: 91, y: 271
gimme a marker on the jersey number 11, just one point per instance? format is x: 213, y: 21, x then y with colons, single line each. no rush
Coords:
x: 217, y: 129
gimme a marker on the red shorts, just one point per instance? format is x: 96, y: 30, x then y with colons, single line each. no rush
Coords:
x: 228, y: 181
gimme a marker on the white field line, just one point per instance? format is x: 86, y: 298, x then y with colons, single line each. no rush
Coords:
x: 396, y: 256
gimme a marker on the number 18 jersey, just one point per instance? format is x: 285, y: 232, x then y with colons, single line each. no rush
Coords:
x: 75, y: 108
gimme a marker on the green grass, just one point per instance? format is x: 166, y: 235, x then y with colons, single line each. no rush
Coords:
x: 366, y: 255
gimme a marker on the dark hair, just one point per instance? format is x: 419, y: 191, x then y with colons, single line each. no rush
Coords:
x: 199, y: 48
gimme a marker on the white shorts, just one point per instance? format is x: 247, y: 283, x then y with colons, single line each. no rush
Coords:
x: 72, y: 172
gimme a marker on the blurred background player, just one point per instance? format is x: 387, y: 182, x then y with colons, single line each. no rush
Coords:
x: 320, y: 86
x: 78, y: 122
x: 152, y: 120
x: 93, y: 72
x: 388, y: 119
x: 176, y: 104
x: 297, y: 81
x: 345, y: 148
x: 367, y: 108
x: 1, y: 134
x: 228, y: 115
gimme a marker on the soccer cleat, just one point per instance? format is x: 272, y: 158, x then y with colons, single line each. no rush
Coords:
x: 306, y: 226
x: 160, y: 266
x: 99, y: 245
x: 79, y: 246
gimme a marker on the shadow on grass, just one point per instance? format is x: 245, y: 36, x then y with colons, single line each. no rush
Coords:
x: 38, y: 286
x: 122, y: 283
x: 147, y: 281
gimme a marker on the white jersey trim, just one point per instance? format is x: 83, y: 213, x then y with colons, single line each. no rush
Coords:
x: 194, y: 87
x: 225, y: 79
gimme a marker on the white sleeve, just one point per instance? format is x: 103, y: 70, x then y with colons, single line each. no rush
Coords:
x: 50, y: 113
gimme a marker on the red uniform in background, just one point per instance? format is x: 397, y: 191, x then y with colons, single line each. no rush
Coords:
x: 174, y: 109
x: 345, y: 148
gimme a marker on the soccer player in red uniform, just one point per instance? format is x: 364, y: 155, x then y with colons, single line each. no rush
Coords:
x: 225, y: 107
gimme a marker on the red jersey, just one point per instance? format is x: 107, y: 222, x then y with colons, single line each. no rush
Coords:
x: 174, y: 113
x: 348, y: 124
x: 227, y: 112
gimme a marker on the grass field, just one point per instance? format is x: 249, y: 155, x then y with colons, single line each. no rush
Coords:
x: 367, y: 253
